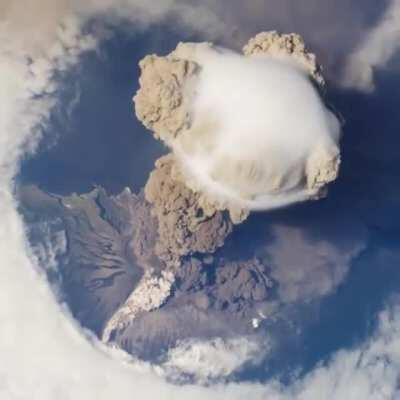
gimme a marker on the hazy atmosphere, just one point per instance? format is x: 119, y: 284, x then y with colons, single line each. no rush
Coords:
x: 199, y: 199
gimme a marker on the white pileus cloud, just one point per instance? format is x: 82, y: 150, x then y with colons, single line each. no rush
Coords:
x: 261, y: 136
x: 44, y: 353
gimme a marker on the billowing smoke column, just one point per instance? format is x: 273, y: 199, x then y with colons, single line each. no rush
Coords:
x: 246, y: 132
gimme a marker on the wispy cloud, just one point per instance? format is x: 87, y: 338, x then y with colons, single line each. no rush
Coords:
x: 307, y: 266
x: 375, y: 51
x: 44, y: 353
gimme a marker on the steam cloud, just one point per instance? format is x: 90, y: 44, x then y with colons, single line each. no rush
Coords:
x: 44, y: 354
x: 248, y: 132
x: 273, y: 138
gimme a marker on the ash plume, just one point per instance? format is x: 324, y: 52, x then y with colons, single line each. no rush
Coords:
x: 39, y: 38
x: 246, y: 132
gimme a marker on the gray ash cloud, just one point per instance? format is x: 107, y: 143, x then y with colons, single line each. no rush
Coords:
x: 111, y: 243
x: 148, y: 272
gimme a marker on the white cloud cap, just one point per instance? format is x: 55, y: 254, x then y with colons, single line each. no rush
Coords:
x: 261, y: 136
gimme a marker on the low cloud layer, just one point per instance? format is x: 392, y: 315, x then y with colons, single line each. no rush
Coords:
x: 359, y: 38
x: 214, y: 359
x: 45, y: 355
